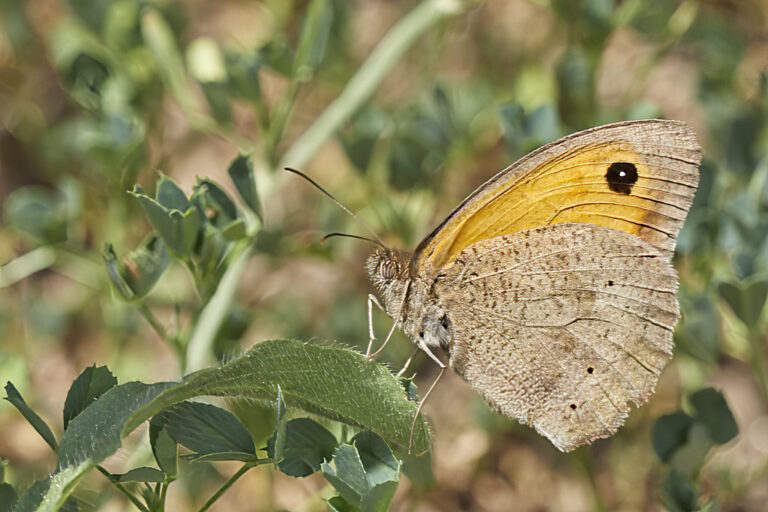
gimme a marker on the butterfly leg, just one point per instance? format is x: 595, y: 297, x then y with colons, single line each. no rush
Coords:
x: 371, y: 335
x: 408, y: 362
x: 421, y: 404
x: 406, y: 288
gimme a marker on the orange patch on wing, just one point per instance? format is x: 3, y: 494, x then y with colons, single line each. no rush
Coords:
x: 572, y: 187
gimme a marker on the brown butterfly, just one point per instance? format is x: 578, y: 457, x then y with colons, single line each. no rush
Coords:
x: 550, y: 286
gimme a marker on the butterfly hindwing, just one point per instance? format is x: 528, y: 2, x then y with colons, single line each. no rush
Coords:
x: 562, y: 326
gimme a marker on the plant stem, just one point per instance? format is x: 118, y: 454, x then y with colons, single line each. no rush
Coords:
x: 758, y: 360
x: 227, y: 485
x: 363, y: 84
x: 158, y: 327
x: 199, y: 354
x: 26, y: 265
x: 122, y: 489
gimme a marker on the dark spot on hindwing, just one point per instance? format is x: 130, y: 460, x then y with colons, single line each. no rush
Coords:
x: 590, y: 370
x: 573, y: 406
x: 621, y: 176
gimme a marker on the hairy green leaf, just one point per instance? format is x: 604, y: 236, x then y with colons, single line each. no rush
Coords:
x: 13, y: 396
x: 338, y: 383
x: 86, y: 388
x: 307, y: 445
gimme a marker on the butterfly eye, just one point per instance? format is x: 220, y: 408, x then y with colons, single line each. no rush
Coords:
x: 388, y: 269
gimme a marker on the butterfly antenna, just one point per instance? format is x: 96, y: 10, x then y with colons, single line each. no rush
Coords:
x: 360, y: 221
x: 347, y: 235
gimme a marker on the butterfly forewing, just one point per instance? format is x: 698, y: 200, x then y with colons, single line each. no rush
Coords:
x: 562, y: 327
x: 637, y: 176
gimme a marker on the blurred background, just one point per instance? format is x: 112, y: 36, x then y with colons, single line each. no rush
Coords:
x: 96, y: 97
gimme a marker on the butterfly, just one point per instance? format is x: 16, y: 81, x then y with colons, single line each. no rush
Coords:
x: 551, y: 286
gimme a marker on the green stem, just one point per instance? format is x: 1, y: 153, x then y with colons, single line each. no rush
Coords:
x: 199, y: 353
x: 227, y: 485
x: 283, y: 113
x: 172, y: 341
x: 363, y: 84
x: 758, y: 360
x: 122, y: 489
x: 26, y: 265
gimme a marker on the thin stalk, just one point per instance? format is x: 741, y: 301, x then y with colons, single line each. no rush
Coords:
x: 228, y: 484
x: 199, y: 354
x: 367, y: 79
x: 172, y: 341
x: 283, y: 113
x: 122, y: 489
x: 758, y: 361
x: 362, y: 85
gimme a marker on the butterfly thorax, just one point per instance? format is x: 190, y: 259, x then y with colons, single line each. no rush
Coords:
x: 408, y: 299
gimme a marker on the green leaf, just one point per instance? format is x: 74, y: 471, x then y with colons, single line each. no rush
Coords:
x: 377, y: 499
x: 137, y: 274
x: 419, y: 471
x: 712, y: 410
x: 143, y: 267
x: 220, y: 456
x: 170, y: 195
x: 307, y: 445
x: 677, y: 493
x: 51, y: 494
x: 339, y: 504
x: 179, y: 229
x: 669, y: 433
x: 281, y: 417
x: 365, y: 473
x: 38, y: 212
x: 216, y: 197
x: 347, y: 474
x: 13, y: 396
x: 86, y: 389
x: 314, y: 38
x: 34, y: 497
x: 144, y: 474
x: 378, y: 460
x: 160, y: 217
x: 243, y: 70
x: 161, y: 41
x: 206, y: 429
x: 235, y: 230
x: 746, y: 299
x: 337, y: 383
x: 8, y: 497
x: 241, y: 173
x: 164, y: 447
x: 96, y: 433
x: 113, y: 270
x: 190, y: 224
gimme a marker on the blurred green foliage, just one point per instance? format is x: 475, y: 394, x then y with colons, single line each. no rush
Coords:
x: 97, y: 96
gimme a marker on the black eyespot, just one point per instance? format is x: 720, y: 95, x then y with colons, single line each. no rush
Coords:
x: 573, y: 406
x: 421, y: 335
x: 621, y: 176
x: 590, y: 370
x: 445, y: 322
x: 610, y: 283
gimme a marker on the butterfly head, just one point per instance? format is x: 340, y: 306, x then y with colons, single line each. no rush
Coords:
x: 388, y: 269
